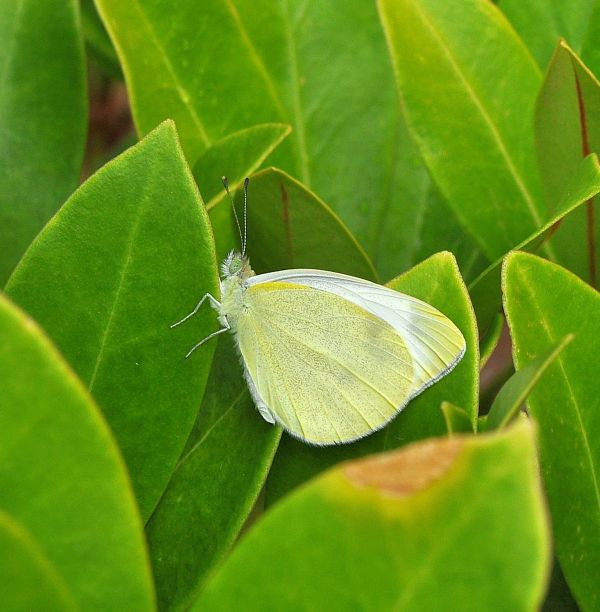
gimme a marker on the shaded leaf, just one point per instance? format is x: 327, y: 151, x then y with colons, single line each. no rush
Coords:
x: 438, y: 282
x: 474, y: 132
x: 62, y: 477
x: 488, y: 344
x: 214, y: 486
x: 544, y: 303
x: 126, y: 256
x: 402, y: 531
x: 97, y: 41
x: 236, y: 156
x: 516, y: 389
x: 42, y: 118
x: 567, y: 130
x: 29, y: 580
x: 290, y: 227
x: 485, y: 290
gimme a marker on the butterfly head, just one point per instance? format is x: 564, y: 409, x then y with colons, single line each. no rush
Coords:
x: 236, y: 264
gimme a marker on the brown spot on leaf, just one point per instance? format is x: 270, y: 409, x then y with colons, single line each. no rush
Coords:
x: 408, y: 470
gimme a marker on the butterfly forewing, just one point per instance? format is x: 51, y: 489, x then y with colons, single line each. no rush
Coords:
x: 328, y: 370
x: 435, y: 343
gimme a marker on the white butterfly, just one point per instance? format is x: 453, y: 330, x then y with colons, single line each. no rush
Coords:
x: 329, y: 357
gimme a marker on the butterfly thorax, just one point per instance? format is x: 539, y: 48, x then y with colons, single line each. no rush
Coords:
x: 235, y: 270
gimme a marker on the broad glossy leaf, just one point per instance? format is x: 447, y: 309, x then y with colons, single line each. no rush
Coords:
x: 220, y: 67
x: 29, y: 580
x: 567, y: 130
x: 214, y: 486
x: 62, y: 477
x: 416, y: 529
x: 290, y: 227
x: 543, y: 303
x: 540, y: 23
x: 485, y: 290
x: 473, y: 129
x: 438, y: 282
x: 457, y: 419
x: 516, y: 389
x: 42, y: 118
x: 127, y: 255
x: 236, y: 156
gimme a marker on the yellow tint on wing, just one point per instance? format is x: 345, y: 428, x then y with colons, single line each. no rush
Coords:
x: 329, y: 371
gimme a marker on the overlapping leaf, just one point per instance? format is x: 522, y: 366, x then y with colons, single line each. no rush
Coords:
x: 542, y: 22
x: 474, y: 131
x: 567, y: 130
x: 485, y: 289
x: 543, y: 303
x: 226, y: 66
x: 129, y: 254
x: 402, y: 531
x: 214, y: 486
x: 63, y: 479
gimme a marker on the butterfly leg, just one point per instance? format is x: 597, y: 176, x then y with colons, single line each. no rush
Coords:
x: 207, y: 296
x: 219, y: 331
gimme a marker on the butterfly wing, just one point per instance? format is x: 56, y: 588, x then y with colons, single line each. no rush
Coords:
x: 435, y: 343
x: 327, y: 370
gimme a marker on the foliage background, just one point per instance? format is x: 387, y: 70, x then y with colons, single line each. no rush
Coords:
x: 446, y: 148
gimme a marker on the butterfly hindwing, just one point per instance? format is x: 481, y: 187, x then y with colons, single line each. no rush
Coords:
x: 328, y: 371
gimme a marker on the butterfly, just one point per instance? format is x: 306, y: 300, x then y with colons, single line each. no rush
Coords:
x: 330, y: 358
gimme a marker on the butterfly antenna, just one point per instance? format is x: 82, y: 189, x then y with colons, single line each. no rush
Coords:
x: 237, y: 221
x: 246, y: 181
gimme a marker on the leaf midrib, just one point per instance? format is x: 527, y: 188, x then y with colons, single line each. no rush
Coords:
x: 179, y: 88
x: 521, y: 186
x: 123, y: 273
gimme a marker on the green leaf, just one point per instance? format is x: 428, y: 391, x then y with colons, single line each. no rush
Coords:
x: 457, y: 419
x: 488, y: 344
x: 236, y: 156
x: 434, y: 228
x: 543, y: 303
x: 517, y: 388
x: 485, y: 289
x: 98, y: 42
x: 129, y: 254
x: 472, y: 131
x: 61, y: 475
x: 438, y: 282
x: 567, y: 130
x: 290, y: 227
x: 29, y: 580
x: 402, y: 531
x: 590, y: 50
x: 43, y: 118
x: 540, y: 23
x: 349, y: 142
x: 213, y: 487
